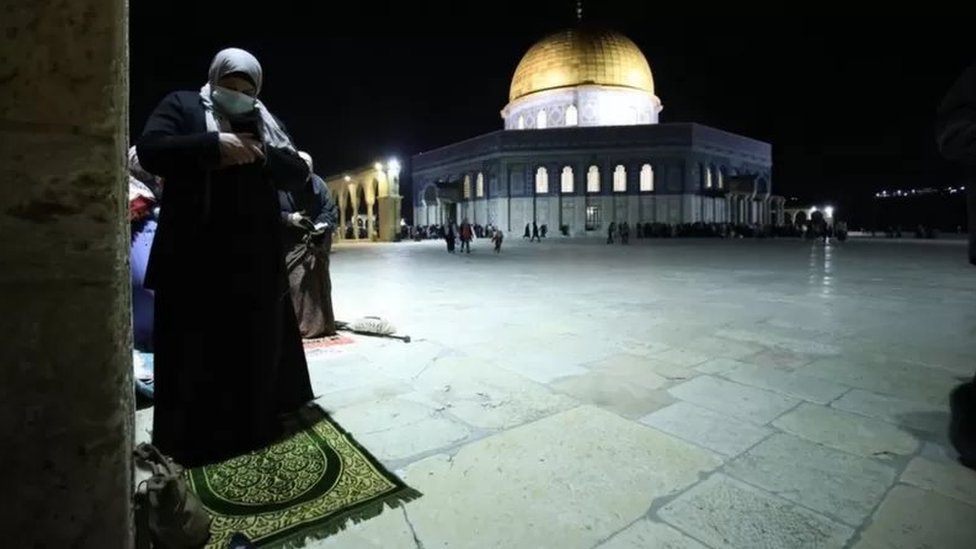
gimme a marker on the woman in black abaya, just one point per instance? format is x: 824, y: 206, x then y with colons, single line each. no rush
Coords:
x: 229, y: 358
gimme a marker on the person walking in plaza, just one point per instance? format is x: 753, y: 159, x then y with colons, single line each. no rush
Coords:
x: 467, y: 233
x: 309, y: 216
x: 610, y: 232
x: 497, y: 239
x: 450, y: 236
x: 528, y: 231
x: 228, y: 355
x: 535, y: 233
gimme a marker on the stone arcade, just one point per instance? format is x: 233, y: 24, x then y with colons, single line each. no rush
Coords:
x: 368, y: 199
x: 603, y: 156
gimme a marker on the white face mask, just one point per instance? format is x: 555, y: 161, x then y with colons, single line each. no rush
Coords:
x: 232, y: 102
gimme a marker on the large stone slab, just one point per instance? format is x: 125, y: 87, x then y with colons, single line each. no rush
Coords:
x: 718, y: 432
x: 782, y: 358
x: 917, y: 416
x: 787, y: 382
x: 647, y: 534
x: 351, y: 370
x: 542, y: 359
x: 722, y: 347
x: 568, y: 481
x: 415, y: 439
x: 612, y: 390
x: 831, y: 482
x: 945, y: 477
x: 680, y: 356
x: 733, y: 399
x: 542, y: 365
x: 724, y: 512
x: 649, y: 371
x: 345, y: 398
x: 766, y: 338
x: 719, y: 365
x: 911, y: 518
x: 886, y: 375
x: 486, y: 396
x: 396, y: 429
x: 851, y: 433
x: 394, y: 359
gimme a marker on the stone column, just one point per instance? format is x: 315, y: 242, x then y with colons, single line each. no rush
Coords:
x: 342, y: 217
x: 66, y: 389
x: 370, y: 219
x: 388, y: 213
x: 354, y: 202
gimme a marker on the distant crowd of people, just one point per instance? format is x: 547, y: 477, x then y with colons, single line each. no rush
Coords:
x: 622, y: 232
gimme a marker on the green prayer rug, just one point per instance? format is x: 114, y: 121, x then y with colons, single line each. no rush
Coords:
x: 307, y: 485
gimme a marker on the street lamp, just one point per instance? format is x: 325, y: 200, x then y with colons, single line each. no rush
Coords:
x: 347, y: 178
x: 378, y: 166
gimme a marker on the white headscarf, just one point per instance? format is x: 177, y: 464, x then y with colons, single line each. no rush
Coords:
x: 233, y: 60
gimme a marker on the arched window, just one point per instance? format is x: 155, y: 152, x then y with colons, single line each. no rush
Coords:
x: 721, y: 178
x: 572, y: 116
x: 521, y: 122
x: 620, y: 179
x: 647, y: 178
x: 708, y: 177
x: 467, y: 187
x: 593, y: 180
x: 541, y: 180
x: 479, y: 186
x: 566, y: 180
x: 541, y: 120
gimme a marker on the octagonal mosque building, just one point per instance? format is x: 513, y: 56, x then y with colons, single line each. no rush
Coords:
x: 582, y: 147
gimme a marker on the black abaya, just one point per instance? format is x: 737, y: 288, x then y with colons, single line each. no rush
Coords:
x: 229, y: 358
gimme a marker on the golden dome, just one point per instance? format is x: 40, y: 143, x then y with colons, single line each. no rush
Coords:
x: 581, y: 56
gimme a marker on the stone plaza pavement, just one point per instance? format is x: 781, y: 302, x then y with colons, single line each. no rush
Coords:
x: 668, y: 394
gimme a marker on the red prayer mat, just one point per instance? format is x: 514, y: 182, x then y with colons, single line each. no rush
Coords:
x: 324, y: 342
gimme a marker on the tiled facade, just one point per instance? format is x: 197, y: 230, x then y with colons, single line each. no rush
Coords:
x: 691, y: 173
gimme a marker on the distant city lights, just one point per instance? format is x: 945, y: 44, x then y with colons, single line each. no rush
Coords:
x: 914, y: 192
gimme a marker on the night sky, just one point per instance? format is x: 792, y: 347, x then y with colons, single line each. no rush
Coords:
x: 847, y: 102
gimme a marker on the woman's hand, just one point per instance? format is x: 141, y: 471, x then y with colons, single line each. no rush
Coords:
x: 239, y: 148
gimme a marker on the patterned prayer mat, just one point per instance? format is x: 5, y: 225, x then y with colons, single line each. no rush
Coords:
x: 326, y: 342
x: 307, y: 485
